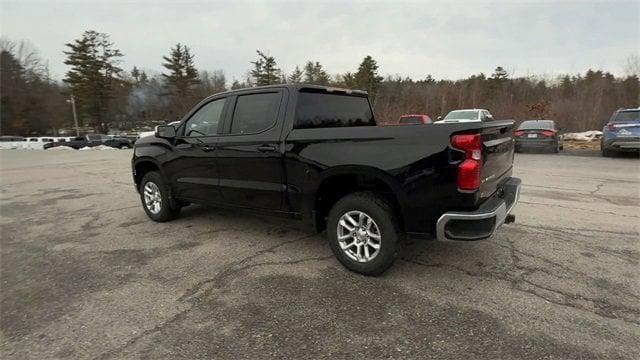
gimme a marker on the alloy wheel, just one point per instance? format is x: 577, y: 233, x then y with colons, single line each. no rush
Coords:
x: 152, y: 197
x: 359, y: 236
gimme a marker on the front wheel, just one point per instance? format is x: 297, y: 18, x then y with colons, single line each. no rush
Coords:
x: 363, y: 233
x: 155, y: 198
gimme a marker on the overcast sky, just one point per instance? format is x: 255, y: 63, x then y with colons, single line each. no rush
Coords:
x: 448, y: 39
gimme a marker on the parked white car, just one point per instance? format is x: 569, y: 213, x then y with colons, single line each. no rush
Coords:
x: 466, y: 115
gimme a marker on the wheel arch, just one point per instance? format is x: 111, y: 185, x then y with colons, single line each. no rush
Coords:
x: 144, y: 165
x: 337, y: 182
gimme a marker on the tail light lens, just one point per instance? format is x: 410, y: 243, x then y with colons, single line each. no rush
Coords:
x: 548, y: 133
x: 518, y: 133
x: 469, y: 169
x: 612, y: 127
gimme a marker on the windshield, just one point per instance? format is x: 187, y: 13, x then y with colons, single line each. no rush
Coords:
x: 462, y: 115
x: 628, y: 116
x: 536, y: 125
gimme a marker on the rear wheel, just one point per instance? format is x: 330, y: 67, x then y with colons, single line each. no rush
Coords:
x: 155, y: 198
x: 605, y: 152
x: 363, y: 233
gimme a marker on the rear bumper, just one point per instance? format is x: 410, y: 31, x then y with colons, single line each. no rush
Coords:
x: 535, y: 143
x: 622, y: 143
x: 483, y: 222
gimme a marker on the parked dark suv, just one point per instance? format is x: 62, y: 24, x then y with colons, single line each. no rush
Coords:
x: 621, y: 133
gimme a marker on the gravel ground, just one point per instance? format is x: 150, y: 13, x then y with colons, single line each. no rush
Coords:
x: 85, y: 274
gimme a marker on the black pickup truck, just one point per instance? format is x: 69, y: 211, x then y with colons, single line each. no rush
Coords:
x: 316, y: 154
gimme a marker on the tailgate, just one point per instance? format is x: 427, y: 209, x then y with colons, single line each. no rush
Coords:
x: 497, y: 155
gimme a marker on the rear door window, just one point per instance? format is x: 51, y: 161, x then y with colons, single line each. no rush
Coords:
x: 320, y: 110
x: 255, y: 113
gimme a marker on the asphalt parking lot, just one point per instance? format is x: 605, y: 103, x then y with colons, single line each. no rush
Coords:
x: 85, y: 274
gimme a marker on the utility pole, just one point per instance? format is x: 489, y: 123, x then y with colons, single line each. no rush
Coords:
x: 72, y: 100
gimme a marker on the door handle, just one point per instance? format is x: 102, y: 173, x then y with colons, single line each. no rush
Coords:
x: 266, y: 148
x: 207, y: 147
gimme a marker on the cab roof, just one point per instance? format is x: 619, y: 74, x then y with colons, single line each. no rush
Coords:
x: 300, y: 87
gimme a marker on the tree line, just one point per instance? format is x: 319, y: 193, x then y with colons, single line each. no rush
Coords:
x: 111, y: 98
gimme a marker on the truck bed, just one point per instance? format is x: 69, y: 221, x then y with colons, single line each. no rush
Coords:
x: 420, y: 159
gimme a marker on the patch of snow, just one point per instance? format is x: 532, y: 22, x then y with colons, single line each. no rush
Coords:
x: 583, y: 136
x: 103, y: 147
x: 99, y: 147
x: 61, y: 148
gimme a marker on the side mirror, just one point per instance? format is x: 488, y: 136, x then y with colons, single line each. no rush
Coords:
x: 489, y: 117
x: 165, y: 131
x: 439, y: 118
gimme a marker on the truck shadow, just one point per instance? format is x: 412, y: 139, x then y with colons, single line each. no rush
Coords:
x: 413, y: 255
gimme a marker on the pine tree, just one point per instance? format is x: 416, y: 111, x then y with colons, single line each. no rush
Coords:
x: 367, y: 77
x: 93, y: 75
x: 296, y: 76
x: 236, y: 85
x: 265, y: 71
x: 182, y: 72
x: 315, y: 74
x: 497, y: 82
x: 500, y: 74
x: 348, y: 80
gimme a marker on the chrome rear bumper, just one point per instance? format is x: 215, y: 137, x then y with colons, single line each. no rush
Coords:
x: 483, y: 222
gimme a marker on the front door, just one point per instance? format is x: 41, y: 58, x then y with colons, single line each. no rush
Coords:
x: 249, y: 155
x: 193, y: 169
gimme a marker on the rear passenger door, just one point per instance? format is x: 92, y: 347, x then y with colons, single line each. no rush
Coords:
x: 249, y: 156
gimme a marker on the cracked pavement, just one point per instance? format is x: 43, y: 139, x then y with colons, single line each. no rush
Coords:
x: 85, y: 275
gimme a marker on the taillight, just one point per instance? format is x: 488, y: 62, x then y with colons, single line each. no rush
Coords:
x: 469, y: 169
x: 548, y: 133
x: 518, y: 133
x: 612, y: 127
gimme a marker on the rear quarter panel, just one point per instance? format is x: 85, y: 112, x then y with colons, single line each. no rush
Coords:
x: 415, y: 160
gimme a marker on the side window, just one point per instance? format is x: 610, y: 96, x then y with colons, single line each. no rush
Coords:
x: 255, y: 113
x: 205, y: 121
x: 321, y: 110
x: 94, y: 137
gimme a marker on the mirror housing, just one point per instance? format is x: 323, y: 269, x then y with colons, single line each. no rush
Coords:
x: 439, y: 117
x: 490, y: 117
x: 165, y: 131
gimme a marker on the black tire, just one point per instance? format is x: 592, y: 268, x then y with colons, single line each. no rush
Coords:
x: 556, y: 149
x: 168, y: 209
x: 605, y: 152
x: 384, y: 216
